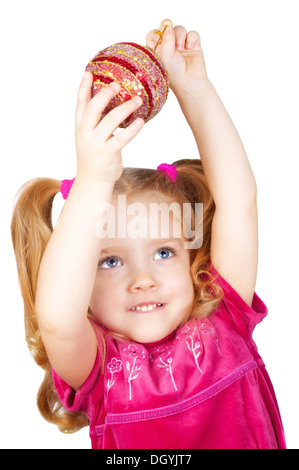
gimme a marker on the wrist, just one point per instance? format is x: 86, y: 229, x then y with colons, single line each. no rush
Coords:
x: 191, y: 90
x: 87, y: 179
x: 87, y: 186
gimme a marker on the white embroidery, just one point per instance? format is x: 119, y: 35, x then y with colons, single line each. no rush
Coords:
x: 168, y: 369
x: 162, y: 355
x: 187, y: 333
x: 114, y: 366
x: 207, y: 329
x: 137, y: 353
x: 193, y: 347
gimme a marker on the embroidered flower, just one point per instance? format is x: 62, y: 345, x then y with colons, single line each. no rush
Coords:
x: 162, y: 351
x: 187, y: 333
x: 136, y: 352
x: 168, y: 368
x: 114, y: 366
x: 162, y: 356
x: 194, y: 347
x: 206, y: 328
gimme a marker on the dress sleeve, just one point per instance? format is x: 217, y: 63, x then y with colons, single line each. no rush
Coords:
x: 244, y: 317
x: 91, y: 391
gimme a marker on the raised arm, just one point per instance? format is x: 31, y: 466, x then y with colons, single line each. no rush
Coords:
x: 68, y: 268
x: 227, y: 169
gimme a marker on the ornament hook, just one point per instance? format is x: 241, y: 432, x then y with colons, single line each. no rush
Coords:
x: 160, y: 38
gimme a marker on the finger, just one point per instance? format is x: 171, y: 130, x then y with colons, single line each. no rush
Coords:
x: 166, y: 43
x: 115, y: 117
x: 164, y: 23
x: 84, y: 96
x: 180, y: 37
x: 152, y: 38
x: 193, y: 41
x: 120, y: 140
x: 96, y: 106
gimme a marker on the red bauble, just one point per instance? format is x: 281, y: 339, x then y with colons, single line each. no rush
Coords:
x: 138, y: 70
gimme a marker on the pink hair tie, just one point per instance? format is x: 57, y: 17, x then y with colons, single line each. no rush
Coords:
x: 65, y: 187
x: 170, y: 170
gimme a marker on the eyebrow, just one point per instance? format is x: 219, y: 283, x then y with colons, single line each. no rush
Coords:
x: 164, y: 241
x: 155, y: 241
x: 110, y: 248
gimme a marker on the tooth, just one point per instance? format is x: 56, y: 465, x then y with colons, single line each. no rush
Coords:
x: 146, y: 308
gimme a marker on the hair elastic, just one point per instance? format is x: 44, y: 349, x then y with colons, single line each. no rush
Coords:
x: 65, y: 187
x: 170, y: 170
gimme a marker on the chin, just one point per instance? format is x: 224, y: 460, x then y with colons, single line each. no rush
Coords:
x: 150, y: 337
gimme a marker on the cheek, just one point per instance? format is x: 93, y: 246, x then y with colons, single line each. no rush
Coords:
x: 98, y: 298
x: 103, y: 298
x: 94, y: 302
x: 100, y: 306
x: 187, y: 283
x: 180, y: 282
x: 188, y: 289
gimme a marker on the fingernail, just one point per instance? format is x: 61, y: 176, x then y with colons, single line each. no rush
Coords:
x: 115, y: 86
x: 138, y: 122
x: 137, y: 99
x: 166, y: 27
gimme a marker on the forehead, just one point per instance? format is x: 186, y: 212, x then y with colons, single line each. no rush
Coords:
x: 158, y: 215
x: 147, y: 217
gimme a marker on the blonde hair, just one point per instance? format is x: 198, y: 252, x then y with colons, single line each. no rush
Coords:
x: 31, y: 229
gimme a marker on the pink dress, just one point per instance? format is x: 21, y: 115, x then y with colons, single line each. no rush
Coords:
x: 203, y: 387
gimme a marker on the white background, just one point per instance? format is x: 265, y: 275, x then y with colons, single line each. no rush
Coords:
x: 251, y: 50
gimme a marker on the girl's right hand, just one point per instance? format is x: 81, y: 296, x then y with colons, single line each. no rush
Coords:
x: 98, y: 150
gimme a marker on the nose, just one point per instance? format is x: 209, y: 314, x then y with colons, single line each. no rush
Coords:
x: 142, y: 281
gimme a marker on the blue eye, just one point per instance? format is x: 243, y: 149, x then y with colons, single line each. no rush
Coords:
x: 109, y: 263
x: 164, y: 253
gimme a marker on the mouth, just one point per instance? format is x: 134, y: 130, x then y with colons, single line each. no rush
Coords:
x: 146, y: 307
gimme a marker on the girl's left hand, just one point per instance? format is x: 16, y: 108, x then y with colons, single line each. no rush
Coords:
x: 181, y: 54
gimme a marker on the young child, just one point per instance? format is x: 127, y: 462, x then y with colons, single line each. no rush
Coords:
x: 147, y: 339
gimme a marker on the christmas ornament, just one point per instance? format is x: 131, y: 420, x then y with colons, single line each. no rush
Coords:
x: 138, y: 70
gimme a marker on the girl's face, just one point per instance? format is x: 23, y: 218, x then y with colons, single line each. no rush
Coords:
x: 143, y: 288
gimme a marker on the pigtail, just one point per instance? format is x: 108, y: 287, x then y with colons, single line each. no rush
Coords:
x: 31, y: 228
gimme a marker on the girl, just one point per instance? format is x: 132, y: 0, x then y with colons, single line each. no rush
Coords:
x: 145, y: 338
